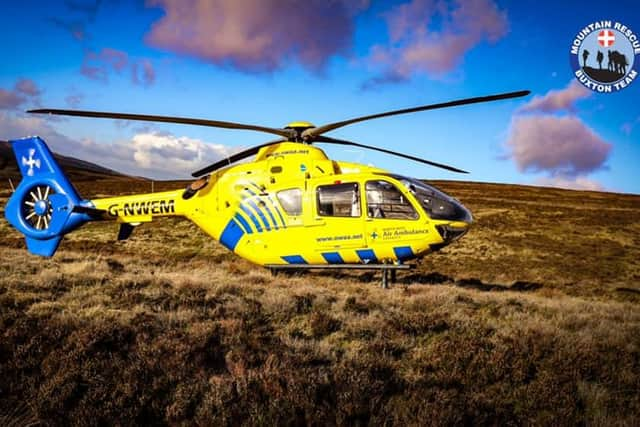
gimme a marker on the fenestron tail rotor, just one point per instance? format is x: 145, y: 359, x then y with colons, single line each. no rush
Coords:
x: 36, y: 207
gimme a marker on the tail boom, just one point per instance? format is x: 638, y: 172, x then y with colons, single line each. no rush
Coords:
x: 142, y: 207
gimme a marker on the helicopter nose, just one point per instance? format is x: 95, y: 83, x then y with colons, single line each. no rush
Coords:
x: 455, y: 230
x: 468, y: 217
x: 450, y: 233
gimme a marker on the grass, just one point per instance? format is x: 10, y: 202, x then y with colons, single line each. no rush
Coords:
x: 532, y: 318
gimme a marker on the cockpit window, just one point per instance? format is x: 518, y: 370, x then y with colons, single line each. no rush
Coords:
x: 437, y: 204
x: 384, y: 200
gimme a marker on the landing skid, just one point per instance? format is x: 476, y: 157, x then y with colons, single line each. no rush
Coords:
x: 386, y: 269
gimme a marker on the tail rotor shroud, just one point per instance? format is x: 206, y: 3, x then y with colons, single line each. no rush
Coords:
x: 45, y: 206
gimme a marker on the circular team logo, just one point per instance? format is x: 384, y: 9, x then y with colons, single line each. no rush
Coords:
x: 605, y: 56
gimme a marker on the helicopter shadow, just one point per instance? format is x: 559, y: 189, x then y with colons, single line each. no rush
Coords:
x: 435, y: 278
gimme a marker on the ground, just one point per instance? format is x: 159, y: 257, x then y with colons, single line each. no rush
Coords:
x: 532, y: 318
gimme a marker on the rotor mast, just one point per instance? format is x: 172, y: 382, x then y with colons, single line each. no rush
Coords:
x: 298, y: 129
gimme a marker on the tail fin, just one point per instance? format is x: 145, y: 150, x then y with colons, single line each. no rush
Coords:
x: 45, y: 206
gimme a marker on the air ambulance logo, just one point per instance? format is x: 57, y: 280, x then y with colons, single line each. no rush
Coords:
x: 605, y: 56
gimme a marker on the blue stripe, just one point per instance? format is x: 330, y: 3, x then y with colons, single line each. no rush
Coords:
x: 275, y: 206
x: 332, y: 257
x: 294, y: 259
x: 257, y: 209
x: 275, y: 223
x: 243, y: 222
x: 252, y: 217
x: 403, y: 252
x: 231, y: 235
x: 367, y: 255
x: 277, y: 209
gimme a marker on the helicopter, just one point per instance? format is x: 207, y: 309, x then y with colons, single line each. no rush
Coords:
x: 291, y: 207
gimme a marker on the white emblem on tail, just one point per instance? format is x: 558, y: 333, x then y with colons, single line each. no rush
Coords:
x: 31, y: 162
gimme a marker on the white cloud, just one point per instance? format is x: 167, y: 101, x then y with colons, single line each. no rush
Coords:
x: 24, y: 90
x: 158, y: 153
x: 558, y: 100
x: 417, y: 45
x: 558, y: 145
x: 149, y: 154
x: 547, y: 139
x: 256, y: 35
x: 572, y: 183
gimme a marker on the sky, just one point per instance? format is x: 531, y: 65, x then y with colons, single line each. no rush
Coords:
x: 271, y: 62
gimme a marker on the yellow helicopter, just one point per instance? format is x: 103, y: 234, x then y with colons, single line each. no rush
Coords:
x: 291, y: 207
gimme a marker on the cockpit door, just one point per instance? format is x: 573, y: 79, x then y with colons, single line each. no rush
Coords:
x: 338, y: 216
x: 390, y: 215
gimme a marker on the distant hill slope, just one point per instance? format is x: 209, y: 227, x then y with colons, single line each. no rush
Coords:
x: 76, y: 169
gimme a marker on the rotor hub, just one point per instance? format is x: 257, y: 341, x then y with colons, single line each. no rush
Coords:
x: 299, y: 128
x: 41, y: 207
x: 299, y: 125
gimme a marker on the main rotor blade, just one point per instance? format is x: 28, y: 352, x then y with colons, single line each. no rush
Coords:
x: 312, y: 133
x: 165, y: 119
x: 234, y: 158
x: 328, y: 140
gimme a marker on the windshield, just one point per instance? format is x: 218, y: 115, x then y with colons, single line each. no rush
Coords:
x: 437, y: 204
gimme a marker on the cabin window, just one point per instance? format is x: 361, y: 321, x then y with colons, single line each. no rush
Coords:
x: 291, y: 201
x: 339, y: 200
x: 384, y: 200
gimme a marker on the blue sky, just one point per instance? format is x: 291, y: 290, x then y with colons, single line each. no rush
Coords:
x: 274, y: 61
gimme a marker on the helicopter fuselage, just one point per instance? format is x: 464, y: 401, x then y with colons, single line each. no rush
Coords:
x: 294, y: 205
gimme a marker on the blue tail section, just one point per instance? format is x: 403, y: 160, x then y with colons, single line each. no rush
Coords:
x: 43, y: 207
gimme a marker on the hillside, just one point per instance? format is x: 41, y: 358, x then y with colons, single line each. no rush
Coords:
x: 76, y: 169
x: 532, y: 318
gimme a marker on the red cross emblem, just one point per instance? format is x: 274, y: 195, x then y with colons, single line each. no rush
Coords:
x: 606, y: 38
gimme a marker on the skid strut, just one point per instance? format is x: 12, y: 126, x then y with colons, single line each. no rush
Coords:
x: 386, y: 269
